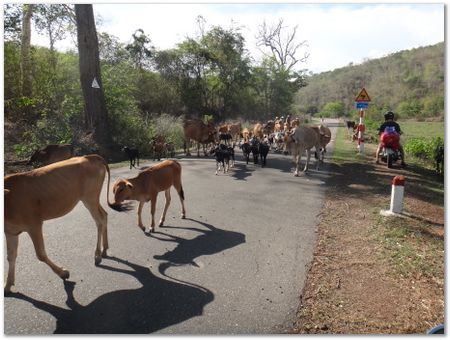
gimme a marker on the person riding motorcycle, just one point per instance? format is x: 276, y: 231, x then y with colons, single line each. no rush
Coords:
x: 389, y: 122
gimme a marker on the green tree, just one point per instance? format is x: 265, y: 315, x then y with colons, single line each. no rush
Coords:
x: 334, y: 109
x: 140, y: 50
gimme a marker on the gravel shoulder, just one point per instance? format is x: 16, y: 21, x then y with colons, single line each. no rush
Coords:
x: 373, y: 274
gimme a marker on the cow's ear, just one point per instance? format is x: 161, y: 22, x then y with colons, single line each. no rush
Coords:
x: 129, y: 185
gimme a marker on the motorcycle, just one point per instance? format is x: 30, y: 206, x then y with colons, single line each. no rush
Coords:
x: 390, y: 151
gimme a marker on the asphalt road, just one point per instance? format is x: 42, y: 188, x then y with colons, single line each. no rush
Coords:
x: 235, y: 265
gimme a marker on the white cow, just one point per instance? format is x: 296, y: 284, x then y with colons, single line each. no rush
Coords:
x: 303, y: 138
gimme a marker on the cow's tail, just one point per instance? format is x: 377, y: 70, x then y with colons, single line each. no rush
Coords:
x: 115, y: 206
x: 181, y: 192
x: 166, y: 265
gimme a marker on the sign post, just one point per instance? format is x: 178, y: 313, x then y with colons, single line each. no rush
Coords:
x: 362, y: 103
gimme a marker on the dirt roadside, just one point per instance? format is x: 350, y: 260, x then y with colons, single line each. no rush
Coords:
x: 373, y: 274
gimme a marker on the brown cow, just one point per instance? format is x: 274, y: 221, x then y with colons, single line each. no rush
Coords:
x: 146, y: 186
x: 278, y: 127
x: 51, y: 153
x: 258, y: 131
x: 198, y: 131
x: 246, y: 134
x: 49, y: 192
x: 295, y: 123
x: 269, y: 127
x: 223, y: 128
x: 234, y: 130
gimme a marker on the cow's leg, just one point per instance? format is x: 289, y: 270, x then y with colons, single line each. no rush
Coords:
x: 35, y: 233
x: 186, y: 147
x: 166, y: 206
x: 137, y: 160
x: 101, y: 220
x: 320, y: 156
x: 179, y: 188
x: 12, y: 242
x: 152, y: 212
x: 297, y: 164
x: 297, y: 159
x: 140, y: 224
x: 308, y: 157
x: 217, y: 167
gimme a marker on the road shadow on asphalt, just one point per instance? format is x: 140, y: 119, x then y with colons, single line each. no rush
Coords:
x: 158, y: 304
x: 357, y: 179
x: 211, y: 241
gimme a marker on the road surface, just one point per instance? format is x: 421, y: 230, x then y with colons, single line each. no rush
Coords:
x: 235, y: 265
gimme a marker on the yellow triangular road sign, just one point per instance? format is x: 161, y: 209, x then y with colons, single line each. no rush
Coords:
x: 363, y: 96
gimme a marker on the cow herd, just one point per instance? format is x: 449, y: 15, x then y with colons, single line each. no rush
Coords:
x: 278, y: 135
x: 55, y: 188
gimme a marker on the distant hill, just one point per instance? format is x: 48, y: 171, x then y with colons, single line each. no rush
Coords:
x: 410, y: 82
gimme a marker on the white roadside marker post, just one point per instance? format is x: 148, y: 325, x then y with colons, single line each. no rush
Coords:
x: 397, y: 192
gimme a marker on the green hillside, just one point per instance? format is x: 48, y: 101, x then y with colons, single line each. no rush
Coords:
x: 409, y: 82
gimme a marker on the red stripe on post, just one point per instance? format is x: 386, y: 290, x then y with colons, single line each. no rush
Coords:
x: 399, y: 180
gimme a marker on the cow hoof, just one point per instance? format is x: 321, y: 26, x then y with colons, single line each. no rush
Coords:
x: 7, y: 289
x: 64, y: 274
x: 183, y: 216
x: 142, y: 228
x: 161, y: 224
x: 104, y: 254
x: 98, y: 259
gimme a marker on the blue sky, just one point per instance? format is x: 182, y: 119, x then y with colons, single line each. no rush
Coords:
x: 334, y: 34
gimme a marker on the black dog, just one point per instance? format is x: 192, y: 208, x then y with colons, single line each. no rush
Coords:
x: 133, y: 155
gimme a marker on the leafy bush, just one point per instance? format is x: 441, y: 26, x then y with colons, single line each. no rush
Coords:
x: 423, y: 148
x: 171, y: 128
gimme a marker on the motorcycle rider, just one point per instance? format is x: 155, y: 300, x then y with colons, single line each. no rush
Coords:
x: 389, y: 122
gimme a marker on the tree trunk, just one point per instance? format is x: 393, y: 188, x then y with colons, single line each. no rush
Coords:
x: 96, y: 115
x: 27, y: 80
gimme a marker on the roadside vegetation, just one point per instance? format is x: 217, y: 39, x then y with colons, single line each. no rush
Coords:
x: 370, y: 273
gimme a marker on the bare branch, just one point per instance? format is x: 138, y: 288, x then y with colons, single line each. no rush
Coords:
x: 282, y: 47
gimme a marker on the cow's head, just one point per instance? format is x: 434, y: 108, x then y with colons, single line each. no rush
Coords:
x: 289, y: 143
x: 36, y: 158
x: 122, y: 190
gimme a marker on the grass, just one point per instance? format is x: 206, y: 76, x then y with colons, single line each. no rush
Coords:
x: 428, y: 130
x: 411, y: 252
x: 346, y: 150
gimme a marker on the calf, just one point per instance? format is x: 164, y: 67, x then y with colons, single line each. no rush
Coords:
x: 263, y: 151
x: 146, y: 186
x: 170, y: 149
x: 133, y: 155
x: 246, y: 150
x: 158, y: 150
x: 50, y: 154
x: 222, y: 155
x: 49, y: 192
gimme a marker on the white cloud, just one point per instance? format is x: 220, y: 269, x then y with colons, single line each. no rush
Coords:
x: 336, y: 34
